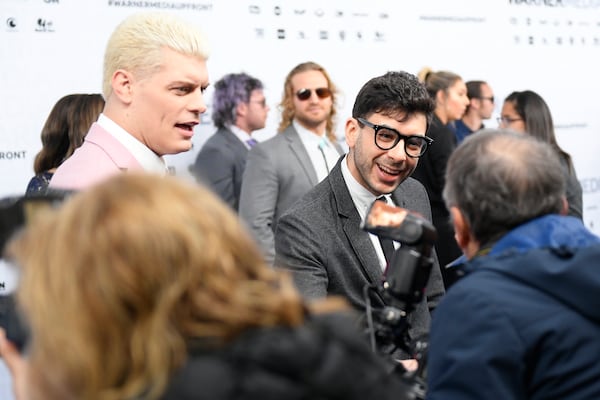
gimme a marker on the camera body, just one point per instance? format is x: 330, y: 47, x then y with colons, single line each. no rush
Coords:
x: 16, y: 213
x: 403, y: 286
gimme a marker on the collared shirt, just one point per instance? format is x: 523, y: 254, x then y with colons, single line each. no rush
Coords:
x: 240, y: 134
x: 461, y: 130
x: 363, y: 199
x: 148, y: 159
x: 321, y: 151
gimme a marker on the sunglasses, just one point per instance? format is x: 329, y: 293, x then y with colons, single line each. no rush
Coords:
x: 305, y: 94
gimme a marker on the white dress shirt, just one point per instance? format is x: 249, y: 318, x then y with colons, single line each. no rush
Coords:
x: 321, y: 151
x: 148, y: 159
x: 363, y: 199
x: 240, y: 134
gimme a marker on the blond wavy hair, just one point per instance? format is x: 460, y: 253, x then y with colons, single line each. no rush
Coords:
x: 286, y: 105
x: 120, y: 280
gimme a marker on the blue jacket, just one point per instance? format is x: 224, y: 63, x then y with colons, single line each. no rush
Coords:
x: 524, y: 322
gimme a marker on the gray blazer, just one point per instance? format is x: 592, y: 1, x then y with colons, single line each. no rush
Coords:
x: 321, y: 241
x: 278, y: 172
x: 220, y: 165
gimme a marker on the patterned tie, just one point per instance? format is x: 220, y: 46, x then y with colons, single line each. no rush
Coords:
x: 387, y: 245
x: 251, y: 142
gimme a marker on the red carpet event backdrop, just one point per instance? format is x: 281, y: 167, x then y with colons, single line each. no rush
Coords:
x: 49, y: 48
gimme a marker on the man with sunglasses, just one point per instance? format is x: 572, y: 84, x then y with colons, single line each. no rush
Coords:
x: 320, y: 239
x: 283, y: 168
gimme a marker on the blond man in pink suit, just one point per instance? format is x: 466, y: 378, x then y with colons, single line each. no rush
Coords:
x: 155, y: 75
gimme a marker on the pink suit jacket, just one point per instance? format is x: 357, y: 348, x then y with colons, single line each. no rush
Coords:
x: 100, y: 156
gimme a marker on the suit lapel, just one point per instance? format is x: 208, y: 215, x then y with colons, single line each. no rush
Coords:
x: 351, y: 224
x: 234, y: 142
x: 299, y: 151
x: 398, y: 196
x: 237, y: 147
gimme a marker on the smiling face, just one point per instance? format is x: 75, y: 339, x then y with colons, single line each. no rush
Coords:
x: 381, y: 171
x: 166, y: 105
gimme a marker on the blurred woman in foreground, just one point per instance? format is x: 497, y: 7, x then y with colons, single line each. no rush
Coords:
x: 146, y: 287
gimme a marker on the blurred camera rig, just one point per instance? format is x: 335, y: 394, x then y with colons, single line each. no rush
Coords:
x: 402, y: 288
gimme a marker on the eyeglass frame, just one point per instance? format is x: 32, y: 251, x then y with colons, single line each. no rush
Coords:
x: 507, y: 120
x: 399, y: 136
x: 262, y: 103
x: 490, y: 98
x: 322, y: 93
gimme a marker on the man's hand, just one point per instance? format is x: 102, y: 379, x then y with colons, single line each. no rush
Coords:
x: 16, y: 365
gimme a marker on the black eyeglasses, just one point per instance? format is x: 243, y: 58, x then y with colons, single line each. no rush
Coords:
x: 305, y: 94
x: 491, y: 98
x: 507, y: 120
x: 262, y: 103
x: 386, y: 138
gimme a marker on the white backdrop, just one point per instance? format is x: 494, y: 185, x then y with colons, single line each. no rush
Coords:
x: 49, y: 48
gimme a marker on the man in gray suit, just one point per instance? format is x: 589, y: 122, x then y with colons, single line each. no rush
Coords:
x: 320, y: 238
x: 239, y: 108
x: 282, y: 169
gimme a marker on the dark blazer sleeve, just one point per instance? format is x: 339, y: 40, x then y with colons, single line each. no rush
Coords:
x: 297, y: 246
x: 438, y: 156
x: 259, y: 196
x: 215, y: 167
x: 574, y: 192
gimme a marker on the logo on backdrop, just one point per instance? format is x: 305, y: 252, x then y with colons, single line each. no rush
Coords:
x: 546, y: 3
x: 44, y: 25
x: 12, y: 155
x: 292, y: 23
x: 164, y: 5
x: 11, y: 24
x: 557, y: 3
x: 538, y: 30
x: 590, y: 185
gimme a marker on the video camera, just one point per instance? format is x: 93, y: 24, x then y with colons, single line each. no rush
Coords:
x: 403, y: 286
x: 15, y: 213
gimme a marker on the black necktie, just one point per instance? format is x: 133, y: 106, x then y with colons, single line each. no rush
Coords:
x: 387, y: 245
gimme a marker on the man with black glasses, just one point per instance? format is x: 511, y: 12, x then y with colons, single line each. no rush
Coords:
x: 282, y: 169
x: 320, y: 238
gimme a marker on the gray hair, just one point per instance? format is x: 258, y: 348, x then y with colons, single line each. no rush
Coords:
x: 499, y: 179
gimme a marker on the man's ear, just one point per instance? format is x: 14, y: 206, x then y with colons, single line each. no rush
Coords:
x: 565, y: 207
x: 462, y: 230
x: 241, y: 109
x: 122, y: 82
x: 351, y: 132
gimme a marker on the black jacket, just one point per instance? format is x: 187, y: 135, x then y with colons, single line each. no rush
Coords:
x: 324, y: 359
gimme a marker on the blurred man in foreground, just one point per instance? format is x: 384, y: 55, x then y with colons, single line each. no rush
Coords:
x: 524, y: 321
